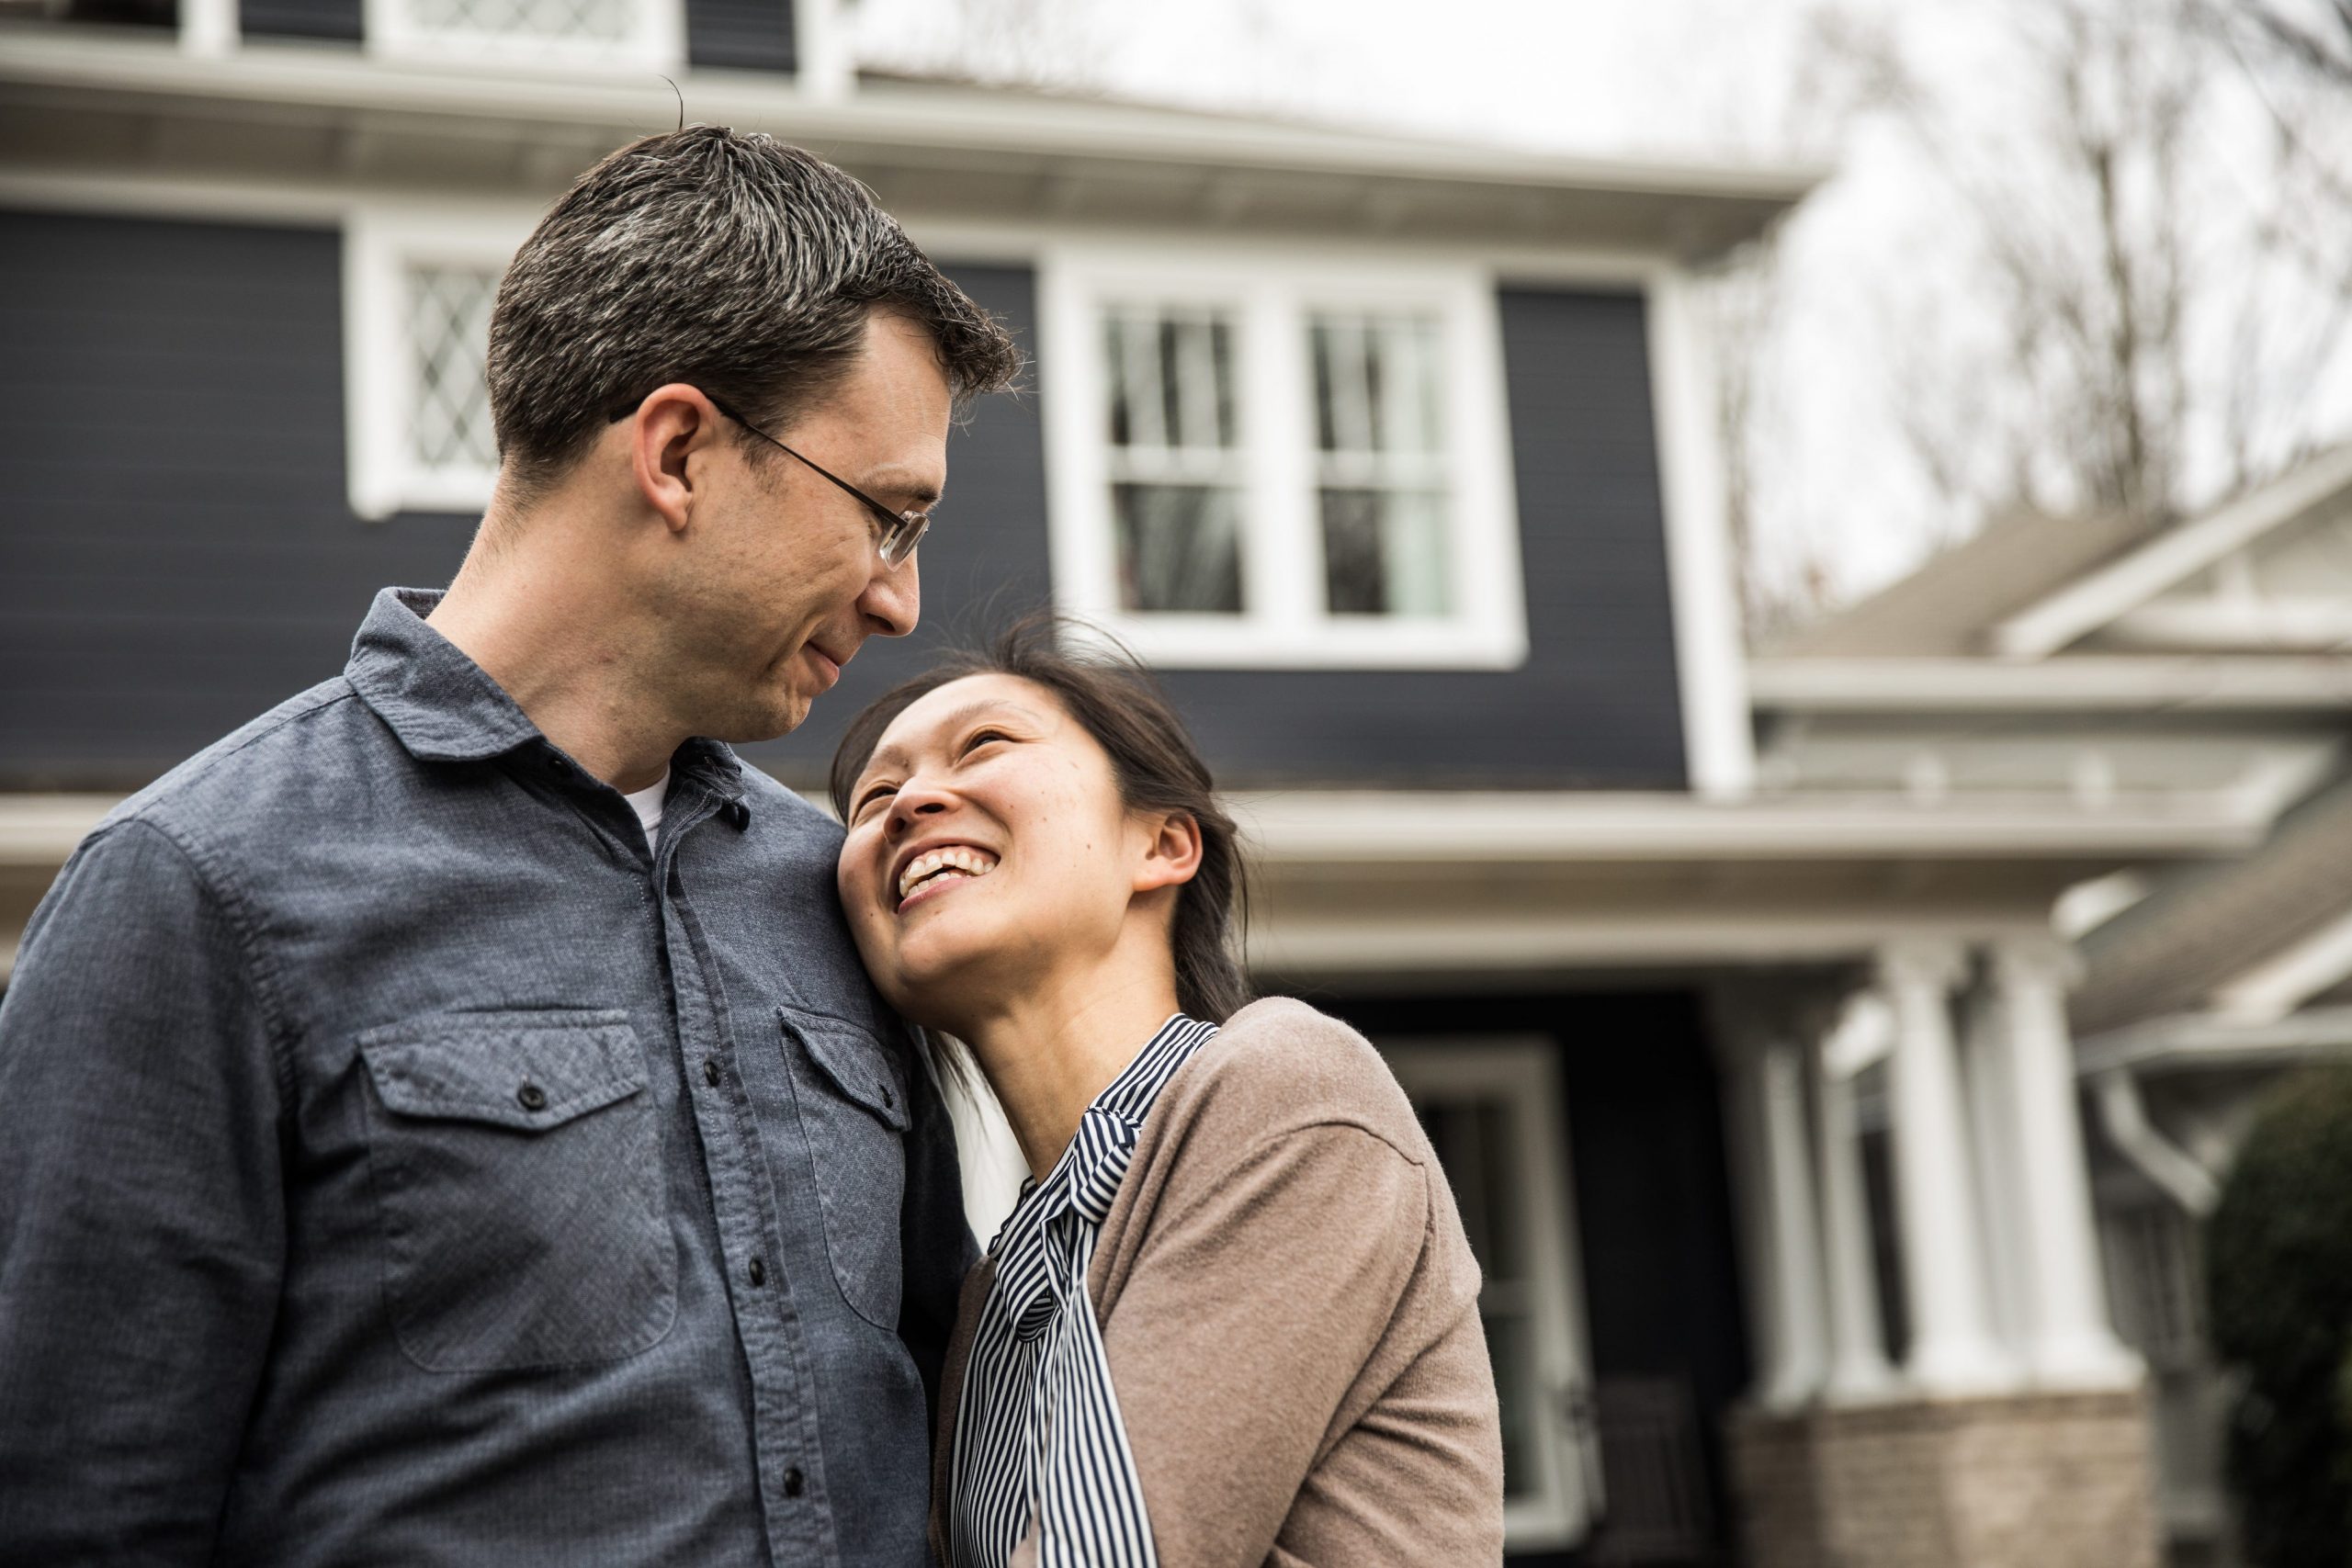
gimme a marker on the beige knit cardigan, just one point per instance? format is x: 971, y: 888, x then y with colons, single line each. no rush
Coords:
x: 1290, y: 1311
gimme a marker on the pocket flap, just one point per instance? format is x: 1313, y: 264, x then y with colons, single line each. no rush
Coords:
x: 527, y: 1070
x: 860, y: 1065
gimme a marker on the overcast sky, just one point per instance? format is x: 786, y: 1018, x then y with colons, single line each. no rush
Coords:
x: 1874, y: 289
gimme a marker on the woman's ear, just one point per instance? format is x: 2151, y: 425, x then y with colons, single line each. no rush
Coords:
x: 1172, y: 855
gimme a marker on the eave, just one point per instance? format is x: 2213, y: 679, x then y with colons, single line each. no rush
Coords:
x: 277, y: 111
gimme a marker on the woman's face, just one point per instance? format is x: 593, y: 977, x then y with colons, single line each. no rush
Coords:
x: 989, y: 850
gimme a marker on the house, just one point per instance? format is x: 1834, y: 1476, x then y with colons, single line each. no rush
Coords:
x: 1718, y: 988
x: 2199, y: 664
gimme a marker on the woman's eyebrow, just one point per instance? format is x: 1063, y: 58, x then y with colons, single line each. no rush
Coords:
x: 892, y: 753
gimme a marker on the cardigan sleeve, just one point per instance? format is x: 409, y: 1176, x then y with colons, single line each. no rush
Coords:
x: 1247, y: 1315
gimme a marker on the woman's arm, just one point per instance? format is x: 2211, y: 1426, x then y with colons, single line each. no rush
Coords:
x: 1244, y: 1319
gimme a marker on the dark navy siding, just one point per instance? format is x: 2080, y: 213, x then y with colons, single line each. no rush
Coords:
x: 301, y: 18
x: 739, y: 35
x: 179, y: 554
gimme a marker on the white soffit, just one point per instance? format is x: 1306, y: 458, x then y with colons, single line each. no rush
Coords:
x: 2081, y: 608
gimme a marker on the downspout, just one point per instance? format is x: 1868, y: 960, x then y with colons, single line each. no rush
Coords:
x: 2173, y: 1168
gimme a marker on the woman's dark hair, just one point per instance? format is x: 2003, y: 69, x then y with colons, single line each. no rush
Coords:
x: 1116, y: 701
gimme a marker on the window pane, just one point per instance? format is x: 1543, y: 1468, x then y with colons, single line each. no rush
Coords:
x: 1519, y: 1388
x: 1376, y: 383
x: 1170, y: 376
x: 449, y: 339
x: 1385, y: 552
x: 1180, y: 547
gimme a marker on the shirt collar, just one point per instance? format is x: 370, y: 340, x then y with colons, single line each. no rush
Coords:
x: 446, y: 708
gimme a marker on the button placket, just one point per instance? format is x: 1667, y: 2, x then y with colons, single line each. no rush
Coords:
x: 766, y: 1325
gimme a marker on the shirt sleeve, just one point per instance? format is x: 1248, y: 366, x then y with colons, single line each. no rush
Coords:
x: 141, y: 1232
x: 936, y: 1248
x: 1248, y: 1315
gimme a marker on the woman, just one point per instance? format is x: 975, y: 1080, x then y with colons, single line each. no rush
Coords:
x: 1232, y: 1319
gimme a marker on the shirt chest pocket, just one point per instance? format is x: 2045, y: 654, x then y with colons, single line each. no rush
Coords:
x: 851, y: 1093
x: 515, y: 1162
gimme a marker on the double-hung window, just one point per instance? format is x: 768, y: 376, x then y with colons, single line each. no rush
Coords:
x: 1269, y: 462
x: 568, y: 35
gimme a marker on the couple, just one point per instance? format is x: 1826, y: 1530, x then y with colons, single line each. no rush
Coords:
x: 450, y: 1120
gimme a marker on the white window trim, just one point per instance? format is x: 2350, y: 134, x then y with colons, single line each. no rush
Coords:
x: 1523, y: 1072
x: 1271, y: 291
x: 380, y: 242
x: 657, y: 42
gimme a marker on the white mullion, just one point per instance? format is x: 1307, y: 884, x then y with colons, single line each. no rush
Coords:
x: 1285, y: 536
x: 1074, y: 407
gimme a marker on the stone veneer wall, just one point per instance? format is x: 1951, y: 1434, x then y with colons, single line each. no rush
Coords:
x: 2051, y: 1480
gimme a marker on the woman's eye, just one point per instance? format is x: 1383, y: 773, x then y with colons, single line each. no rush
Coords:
x: 871, y: 798
x: 981, y: 738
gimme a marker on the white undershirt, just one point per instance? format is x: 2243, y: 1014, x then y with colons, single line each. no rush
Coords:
x: 647, y: 804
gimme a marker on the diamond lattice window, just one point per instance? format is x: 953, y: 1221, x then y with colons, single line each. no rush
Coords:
x: 449, y: 338
x: 604, y: 21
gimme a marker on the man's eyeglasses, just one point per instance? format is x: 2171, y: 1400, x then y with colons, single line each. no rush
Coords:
x: 897, y: 533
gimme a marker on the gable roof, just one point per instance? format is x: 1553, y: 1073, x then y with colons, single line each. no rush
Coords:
x: 2166, y: 560
x: 1947, y: 608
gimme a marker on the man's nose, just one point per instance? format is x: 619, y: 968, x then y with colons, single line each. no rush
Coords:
x: 892, y: 602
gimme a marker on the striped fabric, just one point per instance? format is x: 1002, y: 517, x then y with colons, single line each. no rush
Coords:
x: 1037, y: 1431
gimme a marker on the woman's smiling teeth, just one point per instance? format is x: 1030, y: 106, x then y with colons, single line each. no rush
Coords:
x: 955, y: 861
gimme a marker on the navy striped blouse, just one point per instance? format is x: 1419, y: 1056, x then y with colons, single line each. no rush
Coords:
x: 1037, y: 1431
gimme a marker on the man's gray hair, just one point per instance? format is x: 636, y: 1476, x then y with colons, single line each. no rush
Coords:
x: 733, y: 263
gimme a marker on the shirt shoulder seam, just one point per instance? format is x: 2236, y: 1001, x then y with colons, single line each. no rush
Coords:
x: 259, y: 973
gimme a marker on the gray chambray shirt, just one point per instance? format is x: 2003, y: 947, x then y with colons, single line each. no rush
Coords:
x: 398, y: 1165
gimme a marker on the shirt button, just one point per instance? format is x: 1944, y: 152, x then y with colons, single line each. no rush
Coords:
x: 738, y: 814
x: 758, y: 1271
x: 794, y: 1481
x: 887, y: 1097
x: 710, y: 1073
x: 531, y: 1097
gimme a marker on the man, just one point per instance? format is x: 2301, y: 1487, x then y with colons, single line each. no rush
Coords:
x: 446, y: 1120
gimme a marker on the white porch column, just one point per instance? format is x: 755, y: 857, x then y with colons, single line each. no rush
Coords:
x: 1953, y: 1348
x: 2068, y: 1340
x: 209, y: 27
x: 1798, y: 1360
x: 1858, y: 1364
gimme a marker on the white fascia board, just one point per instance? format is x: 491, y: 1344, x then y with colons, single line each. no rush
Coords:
x: 2074, y: 612
x: 40, y: 831
x: 877, y: 118
x: 1308, y: 827
x: 1384, y: 944
x: 2177, y: 683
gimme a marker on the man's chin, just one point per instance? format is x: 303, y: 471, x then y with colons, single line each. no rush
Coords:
x: 780, y: 714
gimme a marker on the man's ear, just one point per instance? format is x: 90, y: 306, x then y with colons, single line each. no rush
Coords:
x: 1172, y: 856
x: 675, y: 424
